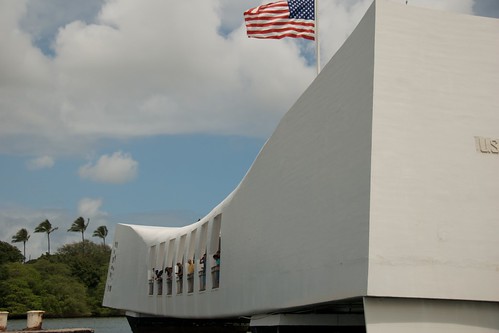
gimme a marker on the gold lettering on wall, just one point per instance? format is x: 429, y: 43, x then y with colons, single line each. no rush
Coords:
x: 486, y: 145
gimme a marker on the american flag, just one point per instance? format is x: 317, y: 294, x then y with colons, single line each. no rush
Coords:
x: 276, y: 20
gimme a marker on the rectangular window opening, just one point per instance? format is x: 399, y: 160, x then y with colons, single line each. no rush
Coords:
x: 151, y: 269
x: 215, y: 251
x: 191, y: 261
x: 203, y: 262
x: 169, y: 266
x: 180, y: 264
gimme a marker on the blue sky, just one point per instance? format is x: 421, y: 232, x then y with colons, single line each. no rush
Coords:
x: 127, y: 112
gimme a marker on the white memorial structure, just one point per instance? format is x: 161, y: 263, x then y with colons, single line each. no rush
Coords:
x: 373, y: 207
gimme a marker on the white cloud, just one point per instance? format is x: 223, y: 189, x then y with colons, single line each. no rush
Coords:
x: 135, y: 73
x: 42, y: 162
x: 138, y: 69
x: 90, y: 208
x: 117, y: 168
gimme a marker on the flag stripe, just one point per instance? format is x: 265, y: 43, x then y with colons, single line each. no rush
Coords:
x: 273, y: 21
x: 283, y: 30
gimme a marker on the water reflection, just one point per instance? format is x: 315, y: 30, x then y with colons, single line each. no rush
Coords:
x: 100, y: 325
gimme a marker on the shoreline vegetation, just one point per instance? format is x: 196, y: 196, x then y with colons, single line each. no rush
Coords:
x: 48, y: 316
x: 67, y: 284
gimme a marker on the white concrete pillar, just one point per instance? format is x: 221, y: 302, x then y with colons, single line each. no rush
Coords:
x: 3, y: 320
x: 35, y: 319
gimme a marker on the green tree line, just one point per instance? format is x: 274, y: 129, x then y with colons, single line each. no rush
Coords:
x: 68, y: 283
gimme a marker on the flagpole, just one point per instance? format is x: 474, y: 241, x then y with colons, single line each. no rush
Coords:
x: 317, y: 48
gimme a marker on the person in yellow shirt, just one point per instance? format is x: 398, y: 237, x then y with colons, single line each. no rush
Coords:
x: 190, y: 266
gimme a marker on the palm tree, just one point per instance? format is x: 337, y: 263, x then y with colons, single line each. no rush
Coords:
x: 21, y: 236
x: 79, y: 226
x: 46, y: 227
x: 101, y: 232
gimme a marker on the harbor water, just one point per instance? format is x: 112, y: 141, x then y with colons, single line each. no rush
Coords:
x: 100, y: 325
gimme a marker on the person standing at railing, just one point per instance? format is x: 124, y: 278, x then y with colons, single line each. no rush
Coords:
x: 202, y: 272
x: 190, y: 275
x: 202, y: 261
x: 190, y: 266
x: 216, y: 270
x: 180, y: 275
x: 216, y: 256
x: 169, y: 271
x: 180, y: 270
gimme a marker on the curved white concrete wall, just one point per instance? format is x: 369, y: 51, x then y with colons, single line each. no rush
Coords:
x: 434, y: 221
x: 369, y: 186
